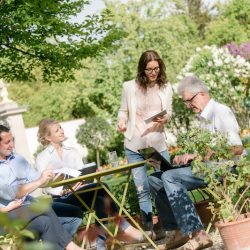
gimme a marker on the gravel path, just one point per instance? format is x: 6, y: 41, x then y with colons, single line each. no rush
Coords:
x: 218, y: 244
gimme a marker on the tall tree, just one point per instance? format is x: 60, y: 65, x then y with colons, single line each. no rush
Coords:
x: 40, y: 34
x: 149, y: 24
x: 96, y: 134
x: 231, y: 25
x: 201, y: 12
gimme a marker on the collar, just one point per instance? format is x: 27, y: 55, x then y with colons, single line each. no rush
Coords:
x: 51, y: 149
x: 207, y: 111
x: 9, y: 158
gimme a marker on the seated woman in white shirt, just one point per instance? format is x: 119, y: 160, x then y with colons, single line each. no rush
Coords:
x: 55, y: 156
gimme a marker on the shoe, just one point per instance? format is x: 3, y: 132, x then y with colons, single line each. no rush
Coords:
x: 159, y: 230
x: 146, y: 222
x: 176, y: 243
x: 151, y: 235
x: 158, y: 235
x: 200, y: 240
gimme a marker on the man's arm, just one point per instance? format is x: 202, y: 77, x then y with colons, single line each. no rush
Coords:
x: 25, y: 189
x: 11, y: 206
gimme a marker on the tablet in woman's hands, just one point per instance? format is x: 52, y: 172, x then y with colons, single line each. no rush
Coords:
x: 150, y: 119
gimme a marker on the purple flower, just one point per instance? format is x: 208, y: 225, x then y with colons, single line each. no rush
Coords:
x: 245, y: 50
x: 241, y: 50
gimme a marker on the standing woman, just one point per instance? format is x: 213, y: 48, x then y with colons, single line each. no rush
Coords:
x: 56, y: 155
x: 147, y: 95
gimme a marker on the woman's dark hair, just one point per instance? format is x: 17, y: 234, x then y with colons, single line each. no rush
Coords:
x: 3, y: 129
x: 146, y: 57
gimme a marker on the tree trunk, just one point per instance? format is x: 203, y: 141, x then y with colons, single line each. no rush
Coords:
x: 98, y: 157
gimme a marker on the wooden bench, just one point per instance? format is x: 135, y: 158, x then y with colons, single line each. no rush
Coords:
x: 201, y: 198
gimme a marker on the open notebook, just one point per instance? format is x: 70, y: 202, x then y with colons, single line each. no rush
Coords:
x: 69, y: 172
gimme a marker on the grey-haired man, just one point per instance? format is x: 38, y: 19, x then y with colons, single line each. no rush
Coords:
x: 170, y: 188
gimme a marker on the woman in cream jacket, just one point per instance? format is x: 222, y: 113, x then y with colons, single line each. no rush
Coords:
x: 142, y: 98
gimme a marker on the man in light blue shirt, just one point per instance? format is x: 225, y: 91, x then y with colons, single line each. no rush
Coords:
x: 19, y: 179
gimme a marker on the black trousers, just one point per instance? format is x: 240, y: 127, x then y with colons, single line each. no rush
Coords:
x: 104, y: 205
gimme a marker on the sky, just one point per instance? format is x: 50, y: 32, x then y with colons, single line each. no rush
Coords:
x: 96, y: 6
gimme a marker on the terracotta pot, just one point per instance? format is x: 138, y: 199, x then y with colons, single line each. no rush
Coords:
x: 235, y: 234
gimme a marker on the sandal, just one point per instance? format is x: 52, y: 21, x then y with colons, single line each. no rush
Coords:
x: 198, y: 242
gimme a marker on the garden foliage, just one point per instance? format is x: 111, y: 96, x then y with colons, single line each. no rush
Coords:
x: 227, y: 77
x: 229, y: 186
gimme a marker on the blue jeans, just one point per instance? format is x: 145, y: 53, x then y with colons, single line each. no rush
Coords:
x: 170, y: 193
x: 142, y: 186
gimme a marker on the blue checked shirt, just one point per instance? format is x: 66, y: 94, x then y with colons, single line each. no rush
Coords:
x: 14, y: 172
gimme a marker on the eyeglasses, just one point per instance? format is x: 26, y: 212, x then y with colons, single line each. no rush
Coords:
x: 189, y: 101
x: 150, y: 71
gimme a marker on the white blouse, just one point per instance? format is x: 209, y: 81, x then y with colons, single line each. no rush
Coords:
x: 49, y: 159
x: 148, y: 104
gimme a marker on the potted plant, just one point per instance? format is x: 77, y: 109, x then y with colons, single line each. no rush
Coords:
x: 229, y: 186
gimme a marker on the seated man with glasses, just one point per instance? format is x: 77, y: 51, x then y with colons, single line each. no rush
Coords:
x: 169, y: 188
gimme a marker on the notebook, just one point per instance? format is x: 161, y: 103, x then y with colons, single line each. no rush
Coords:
x: 162, y: 163
x: 66, y: 173
x: 88, y: 168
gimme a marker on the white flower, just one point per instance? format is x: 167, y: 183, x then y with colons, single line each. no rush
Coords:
x: 219, y: 72
x: 218, y: 62
x: 179, y: 77
x: 227, y: 60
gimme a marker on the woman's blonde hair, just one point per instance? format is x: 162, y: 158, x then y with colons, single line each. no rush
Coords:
x: 44, y: 130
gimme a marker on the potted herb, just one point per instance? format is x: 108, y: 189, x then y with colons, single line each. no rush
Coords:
x: 229, y: 186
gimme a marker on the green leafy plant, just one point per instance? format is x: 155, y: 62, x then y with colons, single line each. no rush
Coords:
x: 96, y: 134
x: 46, y: 38
x: 229, y: 186
x: 16, y: 235
x: 131, y: 202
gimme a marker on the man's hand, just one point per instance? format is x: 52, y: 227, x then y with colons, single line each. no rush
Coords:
x: 15, y: 204
x: 46, y: 176
x: 12, y: 205
x: 184, y: 159
x: 121, y: 126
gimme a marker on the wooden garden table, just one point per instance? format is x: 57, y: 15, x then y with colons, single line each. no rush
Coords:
x: 97, y: 178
